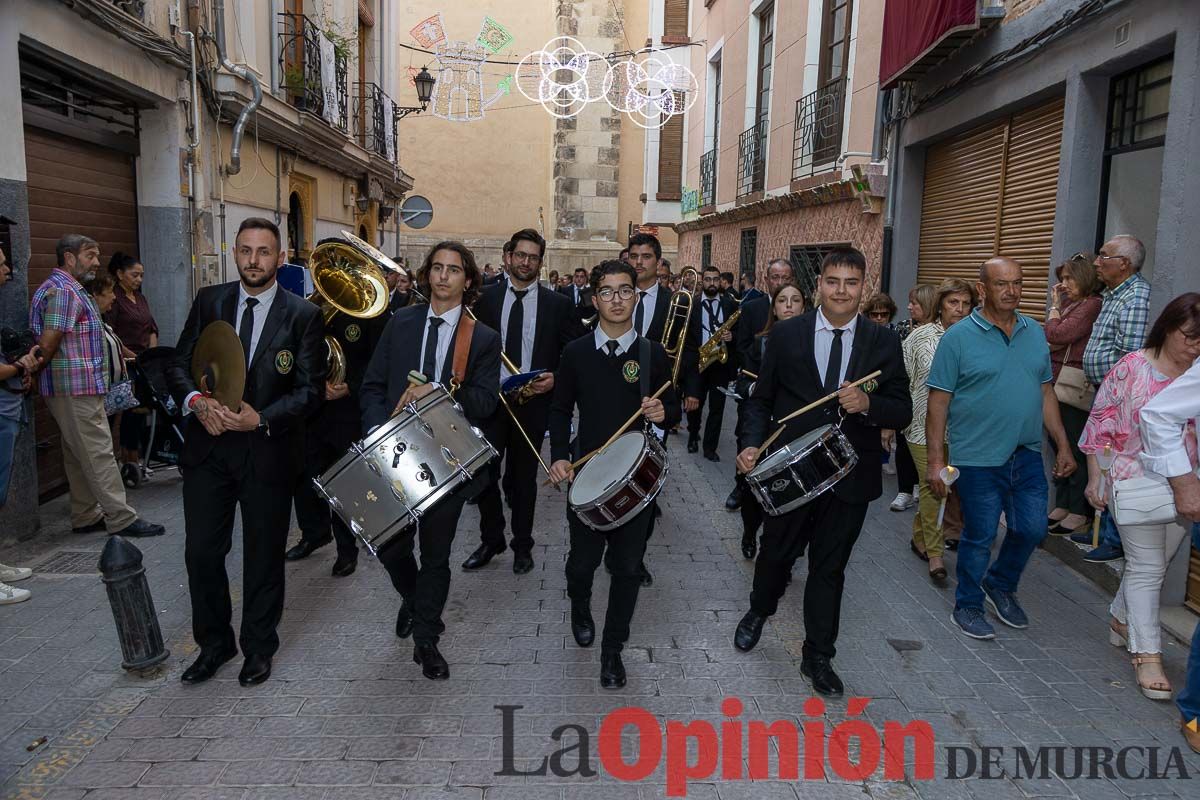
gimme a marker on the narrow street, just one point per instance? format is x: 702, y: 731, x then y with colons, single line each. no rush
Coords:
x: 348, y: 715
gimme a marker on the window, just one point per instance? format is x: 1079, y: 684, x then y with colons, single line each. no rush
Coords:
x: 1131, y: 176
x: 766, y: 40
x: 705, y: 251
x: 748, y: 251
x: 670, y: 158
x: 716, y: 131
x: 806, y: 264
x: 835, y: 40
x: 675, y: 20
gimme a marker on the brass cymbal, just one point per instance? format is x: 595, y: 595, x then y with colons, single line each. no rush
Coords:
x: 219, y: 365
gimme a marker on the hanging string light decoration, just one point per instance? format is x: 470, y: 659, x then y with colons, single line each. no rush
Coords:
x: 650, y: 88
x: 564, y: 76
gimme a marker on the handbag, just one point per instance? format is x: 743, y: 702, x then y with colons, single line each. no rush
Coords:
x: 1147, y: 500
x: 120, y: 398
x: 1072, y: 386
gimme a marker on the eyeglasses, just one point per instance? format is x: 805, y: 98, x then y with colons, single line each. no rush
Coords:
x: 532, y: 258
x: 879, y: 314
x: 607, y: 293
x: 1103, y: 257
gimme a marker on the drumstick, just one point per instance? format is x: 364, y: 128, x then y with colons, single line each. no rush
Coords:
x: 748, y: 374
x: 620, y: 432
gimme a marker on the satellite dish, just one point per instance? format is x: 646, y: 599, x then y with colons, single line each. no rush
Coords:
x: 416, y: 212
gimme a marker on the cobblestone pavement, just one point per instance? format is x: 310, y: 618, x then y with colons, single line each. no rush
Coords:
x: 348, y: 715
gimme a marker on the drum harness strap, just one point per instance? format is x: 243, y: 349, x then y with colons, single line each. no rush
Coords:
x: 462, y: 349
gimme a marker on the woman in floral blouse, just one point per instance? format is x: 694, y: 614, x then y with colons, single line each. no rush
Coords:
x: 1171, y: 346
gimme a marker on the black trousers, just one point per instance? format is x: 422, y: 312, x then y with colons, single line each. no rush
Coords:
x: 426, y: 587
x: 317, y: 521
x: 711, y: 380
x: 626, y: 546
x: 520, y: 481
x: 906, y: 468
x: 828, y: 527
x: 212, y: 492
x: 751, y: 509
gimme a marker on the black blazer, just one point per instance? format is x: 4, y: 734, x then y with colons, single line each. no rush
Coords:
x: 693, y: 380
x: 789, y: 379
x: 339, y: 421
x: 399, y: 352
x: 755, y: 313
x: 285, y: 380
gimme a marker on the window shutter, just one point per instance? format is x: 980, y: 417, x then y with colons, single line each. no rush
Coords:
x: 675, y: 20
x: 670, y: 159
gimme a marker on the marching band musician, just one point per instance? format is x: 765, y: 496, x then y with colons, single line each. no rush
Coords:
x: 607, y: 375
x: 328, y: 434
x: 444, y: 343
x: 807, y: 358
x: 536, y: 323
x: 249, y: 458
x: 715, y: 307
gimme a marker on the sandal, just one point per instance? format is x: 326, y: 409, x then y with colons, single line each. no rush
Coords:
x: 913, y: 546
x: 1155, y: 690
x: 1118, y: 633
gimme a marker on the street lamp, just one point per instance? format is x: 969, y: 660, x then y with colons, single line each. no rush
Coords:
x: 424, y: 82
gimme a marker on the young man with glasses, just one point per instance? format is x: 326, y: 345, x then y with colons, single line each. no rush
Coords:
x: 604, y: 376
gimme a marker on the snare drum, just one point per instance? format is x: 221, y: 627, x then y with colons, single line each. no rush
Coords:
x: 802, y: 469
x: 406, y: 467
x: 614, y: 486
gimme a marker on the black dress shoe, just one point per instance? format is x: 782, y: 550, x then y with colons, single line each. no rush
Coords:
x: 206, y: 665
x: 711, y: 455
x: 139, y: 528
x: 482, y: 555
x: 693, y: 445
x: 748, y: 631
x: 612, y: 670
x: 647, y: 578
x: 952, y: 545
x: 94, y: 527
x: 583, y: 627
x: 749, y: 549
x: 344, y: 566
x: 404, y: 621
x: 734, y: 501
x: 522, y: 563
x: 304, y: 548
x: 825, y: 681
x: 433, y: 666
x: 256, y: 670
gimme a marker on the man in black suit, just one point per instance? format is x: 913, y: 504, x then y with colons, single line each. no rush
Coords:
x: 428, y: 339
x: 756, y: 310
x: 712, y: 309
x: 536, y: 324
x: 580, y: 294
x: 248, y: 458
x: 806, y: 358
x: 399, y: 290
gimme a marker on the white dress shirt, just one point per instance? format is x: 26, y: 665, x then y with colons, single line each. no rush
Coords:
x: 707, y: 330
x: 648, y: 302
x: 823, y: 341
x: 260, y: 313
x: 1164, y: 424
x: 445, y: 334
x: 623, y: 343
x: 528, y: 326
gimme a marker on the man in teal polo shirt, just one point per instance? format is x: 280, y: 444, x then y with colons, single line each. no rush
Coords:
x: 991, y: 378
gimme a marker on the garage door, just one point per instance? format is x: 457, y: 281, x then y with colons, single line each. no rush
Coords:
x: 992, y: 191
x: 74, y: 187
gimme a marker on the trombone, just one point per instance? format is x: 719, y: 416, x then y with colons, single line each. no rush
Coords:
x: 679, y: 312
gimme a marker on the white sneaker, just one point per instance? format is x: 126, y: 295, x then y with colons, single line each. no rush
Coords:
x: 11, y: 594
x: 903, y: 502
x: 13, y: 574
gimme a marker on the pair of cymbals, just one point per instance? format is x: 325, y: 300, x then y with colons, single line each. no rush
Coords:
x: 219, y: 365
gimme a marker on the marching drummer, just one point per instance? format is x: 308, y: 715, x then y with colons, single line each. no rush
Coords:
x: 445, y: 344
x: 807, y: 358
x: 608, y: 376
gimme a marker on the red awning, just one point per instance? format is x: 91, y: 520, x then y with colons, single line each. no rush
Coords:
x: 913, y: 30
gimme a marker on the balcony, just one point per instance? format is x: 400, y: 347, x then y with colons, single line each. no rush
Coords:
x: 708, y: 179
x: 817, y: 140
x: 372, y: 128
x: 752, y: 159
x: 311, y: 83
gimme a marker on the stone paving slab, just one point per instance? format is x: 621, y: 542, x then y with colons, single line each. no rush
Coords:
x: 348, y: 715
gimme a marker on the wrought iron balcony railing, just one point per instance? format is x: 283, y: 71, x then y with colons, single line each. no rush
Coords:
x: 752, y: 158
x: 817, y: 140
x: 708, y: 178
x: 372, y: 129
x: 305, y: 76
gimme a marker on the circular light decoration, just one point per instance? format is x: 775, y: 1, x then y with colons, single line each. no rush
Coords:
x: 564, y: 76
x: 651, y: 90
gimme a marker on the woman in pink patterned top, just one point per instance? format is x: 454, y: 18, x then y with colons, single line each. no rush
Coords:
x: 1171, y: 347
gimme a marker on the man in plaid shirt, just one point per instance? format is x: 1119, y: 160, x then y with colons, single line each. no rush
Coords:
x: 73, y: 383
x: 1121, y: 327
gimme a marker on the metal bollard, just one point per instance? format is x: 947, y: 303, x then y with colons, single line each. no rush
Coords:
x: 133, y: 609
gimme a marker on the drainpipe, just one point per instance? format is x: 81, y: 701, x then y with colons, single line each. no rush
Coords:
x: 193, y: 145
x: 235, y: 147
x: 889, y: 215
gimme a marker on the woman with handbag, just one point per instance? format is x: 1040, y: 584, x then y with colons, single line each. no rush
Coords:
x: 1141, y: 501
x: 1075, y: 304
x: 120, y: 395
x: 132, y: 322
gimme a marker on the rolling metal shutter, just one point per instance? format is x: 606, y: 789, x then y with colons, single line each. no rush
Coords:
x: 74, y: 187
x: 992, y: 191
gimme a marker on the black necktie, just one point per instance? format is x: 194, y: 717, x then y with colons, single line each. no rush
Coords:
x: 639, y: 316
x: 516, y: 327
x: 246, y: 329
x: 711, y: 307
x: 834, y: 370
x: 612, y: 345
x: 429, y: 362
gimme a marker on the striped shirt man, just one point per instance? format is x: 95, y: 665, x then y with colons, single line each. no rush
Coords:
x: 1120, y: 329
x: 80, y: 367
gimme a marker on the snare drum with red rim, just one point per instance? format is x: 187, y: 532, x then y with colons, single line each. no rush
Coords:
x: 614, y: 486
